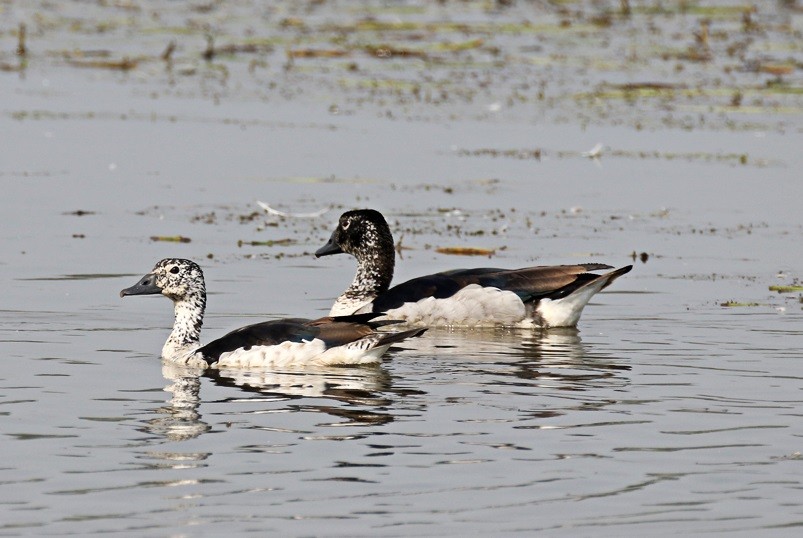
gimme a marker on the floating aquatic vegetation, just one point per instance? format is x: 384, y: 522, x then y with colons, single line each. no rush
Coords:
x: 394, y: 51
x: 317, y: 53
x: 123, y: 64
x: 465, y: 251
x: 234, y: 48
x: 786, y: 289
x: 597, y: 151
x: 715, y: 62
x: 739, y: 304
x: 267, y: 243
x: 171, y: 238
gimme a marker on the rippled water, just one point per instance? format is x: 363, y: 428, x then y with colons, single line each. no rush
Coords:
x: 666, y: 413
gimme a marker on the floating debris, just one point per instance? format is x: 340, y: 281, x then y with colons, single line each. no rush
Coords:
x: 125, y: 64
x: 389, y: 51
x: 171, y: 238
x: 466, y: 251
x: 400, y: 248
x: 733, y: 304
x: 778, y: 69
x: 278, y: 213
x: 650, y: 86
x: 595, y: 152
x: 229, y: 50
x: 79, y: 213
x: 267, y: 243
x: 643, y: 256
x: 316, y: 53
x: 9, y: 68
x: 510, y: 153
x: 792, y: 456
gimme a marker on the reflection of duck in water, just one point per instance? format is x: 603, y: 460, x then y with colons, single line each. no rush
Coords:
x: 362, y: 389
x: 561, y: 355
x: 332, y: 382
x: 277, y: 343
x: 180, y: 419
x: 557, y: 356
x: 546, y: 296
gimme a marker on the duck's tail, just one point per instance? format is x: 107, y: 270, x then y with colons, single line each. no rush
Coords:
x: 565, y: 311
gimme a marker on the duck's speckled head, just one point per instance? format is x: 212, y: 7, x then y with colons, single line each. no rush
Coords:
x: 175, y: 278
x: 361, y: 232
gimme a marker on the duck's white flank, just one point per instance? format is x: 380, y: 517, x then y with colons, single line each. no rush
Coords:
x: 307, y: 353
x: 477, y: 306
x: 472, y: 306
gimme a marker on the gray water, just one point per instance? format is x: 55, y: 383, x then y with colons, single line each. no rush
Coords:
x: 666, y: 413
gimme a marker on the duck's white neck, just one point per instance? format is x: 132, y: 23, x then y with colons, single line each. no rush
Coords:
x: 374, y: 274
x: 186, y: 334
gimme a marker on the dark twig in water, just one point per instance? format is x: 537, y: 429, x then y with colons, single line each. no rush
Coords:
x: 625, y: 5
x: 22, y: 50
x: 209, y: 53
x: 167, y: 55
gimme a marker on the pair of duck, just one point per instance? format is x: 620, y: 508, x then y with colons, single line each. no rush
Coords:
x: 543, y: 296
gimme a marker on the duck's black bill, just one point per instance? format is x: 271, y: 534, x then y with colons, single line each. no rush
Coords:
x: 331, y: 247
x: 145, y: 286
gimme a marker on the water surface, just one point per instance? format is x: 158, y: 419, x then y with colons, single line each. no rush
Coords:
x: 667, y: 412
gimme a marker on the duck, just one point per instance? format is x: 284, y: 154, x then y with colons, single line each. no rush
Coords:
x: 288, y: 342
x: 534, y: 297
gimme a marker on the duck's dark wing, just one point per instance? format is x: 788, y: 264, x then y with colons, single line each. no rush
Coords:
x: 334, y: 331
x: 530, y: 283
x: 545, y: 282
x: 337, y: 333
x: 266, y: 333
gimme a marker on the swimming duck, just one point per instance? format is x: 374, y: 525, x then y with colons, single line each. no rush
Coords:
x: 544, y: 296
x: 278, y: 343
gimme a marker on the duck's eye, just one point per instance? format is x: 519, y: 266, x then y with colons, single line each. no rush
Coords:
x: 174, y: 269
x: 346, y: 224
